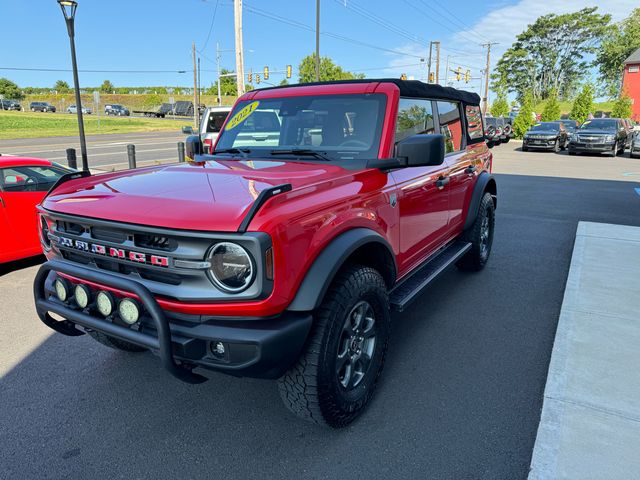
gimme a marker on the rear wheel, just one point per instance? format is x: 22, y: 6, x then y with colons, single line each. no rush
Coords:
x: 480, y: 235
x: 335, y: 377
x: 115, y: 343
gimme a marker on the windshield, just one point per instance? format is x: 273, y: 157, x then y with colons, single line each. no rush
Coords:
x: 549, y: 127
x: 339, y: 127
x: 599, y: 125
x: 490, y: 121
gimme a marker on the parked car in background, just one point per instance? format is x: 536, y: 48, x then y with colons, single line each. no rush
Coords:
x: 507, y: 128
x: 41, y: 107
x: 546, y: 136
x: 570, y: 125
x: 211, y: 122
x: 23, y: 184
x: 493, y: 131
x: 117, y: 110
x: 74, y: 109
x: 634, y: 149
x: 10, y: 105
x: 600, y: 135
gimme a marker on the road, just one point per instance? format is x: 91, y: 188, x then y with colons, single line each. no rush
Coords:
x: 105, y: 152
x: 460, y: 397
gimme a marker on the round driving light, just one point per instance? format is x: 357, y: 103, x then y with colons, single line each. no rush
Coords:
x: 105, y: 303
x: 62, y: 289
x: 231, y: 267
x: 82, y: 295
x: 129, y: 311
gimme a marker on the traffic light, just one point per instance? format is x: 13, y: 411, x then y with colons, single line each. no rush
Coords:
x: 403, y: 76
x: 432, y: 77
x: 257, y: 78
x: 250, y: 77
x: 467, y: 76
x: 266, y: 73
x: 458, y: 74
x: 289, y: 71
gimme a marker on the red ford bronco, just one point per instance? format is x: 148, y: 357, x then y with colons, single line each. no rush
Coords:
x: 322, y: 208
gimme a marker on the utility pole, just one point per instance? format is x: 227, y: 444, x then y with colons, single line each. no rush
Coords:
x: 437, y: 44
x: 317, y: 40
x: 429, y: 62
x: 485, y: 98
x: 237, y: 22
x: 219, y: 99
x: 446, y: 73
x: 195, y: 88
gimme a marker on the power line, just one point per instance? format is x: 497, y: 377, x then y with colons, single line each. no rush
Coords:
x: 453, y: 17
x: 213, y: 19
x: 88, y: 71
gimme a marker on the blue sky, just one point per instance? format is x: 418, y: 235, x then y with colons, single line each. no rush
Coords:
x: 157, y: 35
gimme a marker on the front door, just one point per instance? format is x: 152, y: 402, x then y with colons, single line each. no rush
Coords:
x: 423, y: 192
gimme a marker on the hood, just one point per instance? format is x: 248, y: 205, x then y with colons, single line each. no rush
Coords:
x: 595, y: 131
x: 206, y: 196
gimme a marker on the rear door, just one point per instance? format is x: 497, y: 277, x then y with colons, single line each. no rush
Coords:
x: 423, y: 195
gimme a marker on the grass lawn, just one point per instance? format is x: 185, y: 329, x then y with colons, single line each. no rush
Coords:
x: 32, y: 125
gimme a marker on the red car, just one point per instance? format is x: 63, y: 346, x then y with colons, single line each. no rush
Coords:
x: 23, y: 184
x: 322, y: 208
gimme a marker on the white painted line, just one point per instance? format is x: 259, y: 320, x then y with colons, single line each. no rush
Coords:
x: 590, y: 422
x: 147, y: 163
x: 107, y: 154
x: 90, y: 147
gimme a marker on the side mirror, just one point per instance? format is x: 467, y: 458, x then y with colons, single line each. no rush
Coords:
x: 188, y: 130
x: 193, y: 147
x: 422, y: 150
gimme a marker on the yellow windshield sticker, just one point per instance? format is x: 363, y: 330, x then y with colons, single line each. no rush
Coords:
x: 587, y: 122
x: 537, y: 124
x: 242, y: 115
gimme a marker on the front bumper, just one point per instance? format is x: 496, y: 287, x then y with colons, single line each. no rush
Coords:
x: 591, y: 147
x: 263, y: 348
x: 542, y: 144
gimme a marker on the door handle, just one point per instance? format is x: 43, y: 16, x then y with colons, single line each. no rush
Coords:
x: 441, y: 182
x: 470, y: 170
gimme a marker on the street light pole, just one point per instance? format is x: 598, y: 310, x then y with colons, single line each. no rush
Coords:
x: 317, y: 40
x: 69, y: 11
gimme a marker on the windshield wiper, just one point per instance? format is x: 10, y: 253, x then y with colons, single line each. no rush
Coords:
x: 302, y: 152
x: 242, y: 151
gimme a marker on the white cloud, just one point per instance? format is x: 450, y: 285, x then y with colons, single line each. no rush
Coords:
x: 505, y: 23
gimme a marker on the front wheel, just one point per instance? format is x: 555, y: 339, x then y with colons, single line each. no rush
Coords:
x: 480, y: 235
x: 335, y: 377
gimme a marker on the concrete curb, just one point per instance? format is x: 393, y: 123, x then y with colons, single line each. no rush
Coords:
x: 590, y: 422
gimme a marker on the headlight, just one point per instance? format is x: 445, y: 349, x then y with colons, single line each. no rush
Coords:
x: 610, y: 138
x: 129, y: 311
x: 62, y: 289
x: 231, y: 268
x: 105, y: 303
x: 82, y: 295
x: 573, y: 137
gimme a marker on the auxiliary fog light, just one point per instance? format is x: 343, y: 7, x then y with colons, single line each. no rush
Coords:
x: 105, y: 303
x: 82, y: 295
x: 129, y: 311
x: 218, y: 350
x: 62, y: 289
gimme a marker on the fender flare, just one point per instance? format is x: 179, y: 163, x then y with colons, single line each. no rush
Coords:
x: 484, y: 180
x: 318, y: 278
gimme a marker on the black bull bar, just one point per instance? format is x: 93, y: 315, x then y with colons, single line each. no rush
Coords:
x: 161, y: 343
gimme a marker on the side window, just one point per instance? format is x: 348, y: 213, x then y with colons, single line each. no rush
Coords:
x: 29, y: 179
x: 13, y: 180
x: 414, y: 116
x: 474, y: 122
x: 450, y: 125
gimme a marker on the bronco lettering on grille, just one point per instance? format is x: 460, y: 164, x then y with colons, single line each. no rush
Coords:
x: 119, y: 253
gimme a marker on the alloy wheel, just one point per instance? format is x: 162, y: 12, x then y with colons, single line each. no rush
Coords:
x: 356, y: 345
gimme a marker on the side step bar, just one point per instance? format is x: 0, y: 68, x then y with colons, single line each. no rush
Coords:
x: 409, y: 289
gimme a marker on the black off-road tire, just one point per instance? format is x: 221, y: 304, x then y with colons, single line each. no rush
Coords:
x: 311, y: 388
x: 115, y: 343
x: 481, y: 240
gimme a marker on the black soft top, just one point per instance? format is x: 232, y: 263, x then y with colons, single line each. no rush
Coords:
x: 408, y: 88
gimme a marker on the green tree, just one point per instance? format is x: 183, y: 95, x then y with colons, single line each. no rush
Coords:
x: 551, y: 53
x: 620, y: 41
x: 622, y: 106
x: 107, y: 87
x: 583, y: 104
x: 551, y: 109
x: 283, y: 82
x: 500, y: 107
x: 524, y: 120
x: 228, y: 85
x: 10, y: 90
x: 328, y: 70
x: 62, y: 87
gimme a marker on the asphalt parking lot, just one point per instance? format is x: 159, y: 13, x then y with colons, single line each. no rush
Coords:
x: 105, y: 152
x: 460, y: 397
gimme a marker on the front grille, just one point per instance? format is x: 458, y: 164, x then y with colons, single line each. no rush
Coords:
x: 158, y: 242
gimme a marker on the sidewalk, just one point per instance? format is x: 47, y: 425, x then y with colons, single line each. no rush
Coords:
x: 590, y: 423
